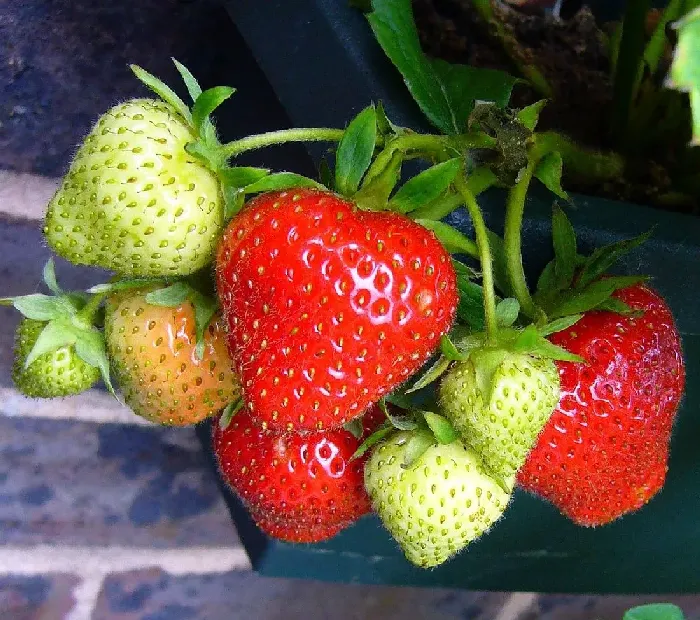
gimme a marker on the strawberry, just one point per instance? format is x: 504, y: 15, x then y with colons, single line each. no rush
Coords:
x: 134, y: 201
x: 604, y: 451
x: 297, y: 481
x: 154, y: 355
x: 60, y: 372
x: 328, y: 308
x: 436, y: 505
x: 499, y: 401
x: 297, y: 532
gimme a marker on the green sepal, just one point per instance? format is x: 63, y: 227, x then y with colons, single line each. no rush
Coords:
x: 354, y: 427
x: 559, y: 325
x: 529, y: 115
x: 416, y: 447
x: 436, y: 370
x: 355, y: 151
x: 532, y: 342
x: 207, y: 102
x: 402, y: 423
x: 465, y: 270
x: 612, y: 304
x: 565, y: 251
x: 279, y: 181
x: 325, y: 174
x: 191, y: 83
x: 90, y: 347
x: 441, y: 427
x: 41, y: 307
x: 500, y: 265
x: 470, y: 306
x: 449, y: 350
x: 161, y: 89
x: 385, y: 126
x: 378, y: 185
x: 242, y: 176
x: 49, y: 277
x: 229, y: 412
x: 578, y: 301
x: 425, y: 187
x: 454, y: 241
x: 507, y: 311
x: 56, y: 334
x: 125, y: 285
x: 549, y: 170
x: 383, y: 431
x: 170, y: 297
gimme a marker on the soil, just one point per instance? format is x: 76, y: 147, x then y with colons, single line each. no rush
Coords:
x: 572, y: 55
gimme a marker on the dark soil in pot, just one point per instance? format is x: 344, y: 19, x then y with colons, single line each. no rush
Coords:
x: 572, y: 54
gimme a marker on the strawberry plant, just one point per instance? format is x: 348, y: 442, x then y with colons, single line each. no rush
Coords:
x: 355, y: 352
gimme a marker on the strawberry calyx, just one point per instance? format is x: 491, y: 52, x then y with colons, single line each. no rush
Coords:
x: 68, y: 320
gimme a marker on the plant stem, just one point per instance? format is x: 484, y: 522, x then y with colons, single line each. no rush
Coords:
x: 271, y: 138
x: 515, y: 208
x: 485, y: 257
x: 586, y: 163
x: 630, y: 55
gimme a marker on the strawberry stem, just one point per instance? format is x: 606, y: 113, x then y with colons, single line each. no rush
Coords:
x: 271, y: 138
x: 486, y: 259
x: 515, y: 207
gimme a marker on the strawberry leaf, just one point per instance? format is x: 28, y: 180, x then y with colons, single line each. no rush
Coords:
x: 602, y: 258
x: 55, y: 335
x: 416, y: 447
x: 171, y: 296
x: 529, y: 115
x: 229, y: 412
x: 192, y: 85
x: 454, y: 241
x: 507, y: 312
x: 49, y: 275
x: 565, y: 252
x: 355, y: 151
x: 90, y: 347
x: 42, y: 307
x: 354, y: 427
x: 549, y: 170
x: 655, y: 611
x: 442, y: 428
x: 279, y: 181
x: 207, y: 102
x: 426, y: 186
x: 444, y: 92
x: 558, y: 325
x: 166, y: 93
x: 435, y: 371
x: 384, y: 430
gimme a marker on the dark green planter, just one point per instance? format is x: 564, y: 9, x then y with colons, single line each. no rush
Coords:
x: 324, y: 66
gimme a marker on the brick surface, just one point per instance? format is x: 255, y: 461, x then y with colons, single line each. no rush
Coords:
x: 76, y: 483
x: 46, y: 597
x: 154, y: 595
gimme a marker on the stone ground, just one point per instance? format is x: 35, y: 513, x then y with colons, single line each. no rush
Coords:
x: 103, y: 517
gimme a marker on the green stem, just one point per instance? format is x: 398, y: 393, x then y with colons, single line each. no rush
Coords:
x: 586, y: 163
x: 515, y: 207
x: 486, y: 259
x: 271, y: 138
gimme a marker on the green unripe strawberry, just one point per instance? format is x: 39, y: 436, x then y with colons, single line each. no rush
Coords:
x: 134, y: 201
x: 499, y: 401
x: 438, y: 504
x: 57, y: 373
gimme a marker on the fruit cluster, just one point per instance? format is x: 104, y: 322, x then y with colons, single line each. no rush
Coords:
x: 351, y: 362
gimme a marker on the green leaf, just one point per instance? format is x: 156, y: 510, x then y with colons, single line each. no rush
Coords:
x: 325, y: 174
x: 384, y: 430
x: 547, y: 282
x: 602, y: 258
x: 378, y: 184
x: 229, y: 412
x: 426, y: 186
x: 171, y: 296
x: 241, y: 176
x: 43, y: 307
x: 470, y: 308
x: 384, y: 124
x: 193, y: 87
x: 55, y: 335
x: 207, y: 102
x: 416, y: 447
x: 579, y: 301
x: 49, y: 275
x: 685, y: 69
x: 565, y: 252
x: 549, y: 170
x: 90, y: 347
x: 433, y: 373
x: 507, y: 311
x: 445, y: 93
x: 442, y: 428
x: 559, y: 325
x: 464, y: 270
x: 354, y: 427
x: 529, y: 115
x: 281, y: 180
x: 449, y: 350
x: 655, y: 611
x: 355, y: 151
x: 166, y: 93
x: 454, y: 241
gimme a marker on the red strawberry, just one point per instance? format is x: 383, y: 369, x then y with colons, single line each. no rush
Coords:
x: 328, y: 307
x: 295, y: 532
x: 604, y: 451
x: 293, y: 481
